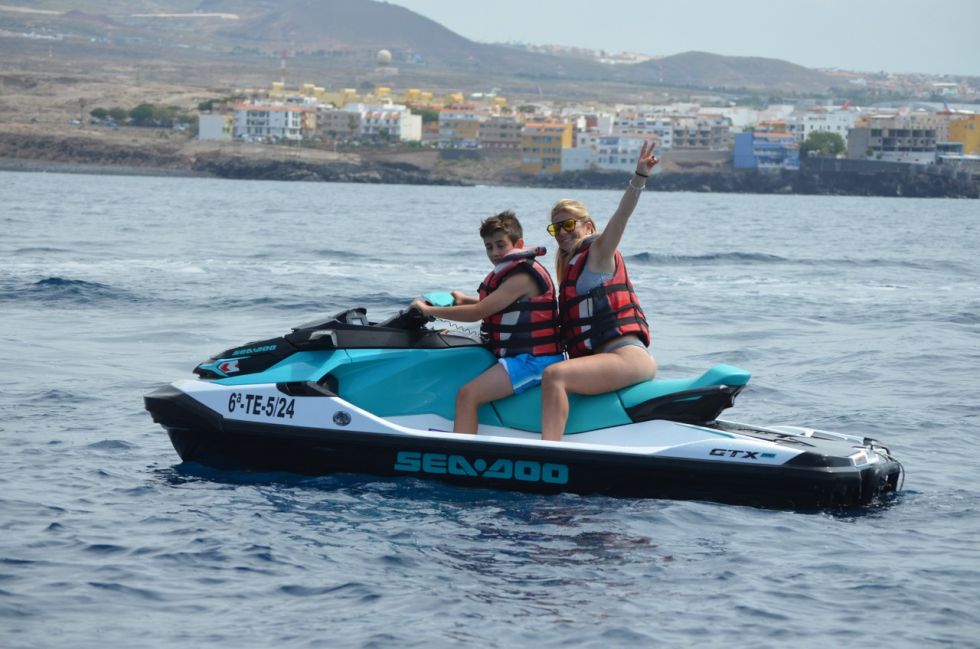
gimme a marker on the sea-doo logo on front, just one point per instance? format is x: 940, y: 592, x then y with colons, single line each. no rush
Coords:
x: 253, y: 350
x: 499, y: 469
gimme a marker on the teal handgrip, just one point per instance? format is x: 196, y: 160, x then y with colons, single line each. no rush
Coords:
x: 439, y: 298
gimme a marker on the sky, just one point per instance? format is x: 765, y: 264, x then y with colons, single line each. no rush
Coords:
x: 895, y: 36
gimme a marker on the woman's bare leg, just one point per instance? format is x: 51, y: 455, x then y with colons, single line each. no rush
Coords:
x: 594, y: 374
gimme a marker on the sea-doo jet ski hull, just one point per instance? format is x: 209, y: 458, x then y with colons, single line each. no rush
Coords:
x: 350, y: 396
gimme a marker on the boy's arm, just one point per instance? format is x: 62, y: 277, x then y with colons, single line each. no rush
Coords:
x: 513, y: 288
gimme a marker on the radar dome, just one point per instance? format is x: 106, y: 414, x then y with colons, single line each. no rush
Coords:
x: 384, y: 57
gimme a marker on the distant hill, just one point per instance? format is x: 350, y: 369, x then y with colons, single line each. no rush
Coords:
x: 338, y: 24
x: 363, y: 27
x: 705, y: 70
x: 356, y: 30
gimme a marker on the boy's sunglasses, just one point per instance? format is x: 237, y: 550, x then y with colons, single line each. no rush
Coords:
x: 567, y: 225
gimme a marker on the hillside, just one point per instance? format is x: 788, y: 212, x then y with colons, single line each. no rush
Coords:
x: 703, y: 69
x: 337, y: 40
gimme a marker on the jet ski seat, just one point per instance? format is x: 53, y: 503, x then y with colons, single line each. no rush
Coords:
x: 696, y: 400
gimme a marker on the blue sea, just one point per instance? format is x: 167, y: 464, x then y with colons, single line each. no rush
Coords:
x: 860, y: 315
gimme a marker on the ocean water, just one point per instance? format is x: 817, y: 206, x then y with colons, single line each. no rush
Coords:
x: 854, y: 314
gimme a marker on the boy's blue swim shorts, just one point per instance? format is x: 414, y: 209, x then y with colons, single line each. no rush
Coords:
x: 525, y: 370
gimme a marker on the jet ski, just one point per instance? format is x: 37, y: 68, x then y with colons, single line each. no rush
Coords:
x: 347, y: 395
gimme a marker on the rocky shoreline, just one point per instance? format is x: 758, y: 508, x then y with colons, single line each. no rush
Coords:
x: 20, y: 152
x: 221, y: 166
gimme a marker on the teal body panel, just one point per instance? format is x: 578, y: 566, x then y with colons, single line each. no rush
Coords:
x: 390, y: 382
x: 299, y: 367
x: 393, y: 382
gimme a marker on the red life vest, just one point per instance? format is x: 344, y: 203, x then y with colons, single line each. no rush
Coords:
x: 608, y: 311
x: 530, y: 325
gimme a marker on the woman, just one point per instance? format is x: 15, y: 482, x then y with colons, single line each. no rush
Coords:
x: 603, y: 327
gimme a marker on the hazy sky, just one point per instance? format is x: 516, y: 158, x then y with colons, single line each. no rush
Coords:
x: 867, y: 35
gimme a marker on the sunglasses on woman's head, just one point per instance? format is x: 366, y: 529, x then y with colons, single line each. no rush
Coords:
x: 567, y: 225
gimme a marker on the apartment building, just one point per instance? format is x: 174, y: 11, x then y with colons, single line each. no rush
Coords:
x: 764, y: 149
x: 965, y: 129
x: 459, y: 126
x: 370, y: 121
x: 839, y: 122
x: 274, y: 122
x: 338, y: 124
x: 898, y: 137
x: 500, y: 135
x: 391, y: 122
x: 541, y: 146
x: 620, y: 153
x: 644, y: 125
x: 702, y: 132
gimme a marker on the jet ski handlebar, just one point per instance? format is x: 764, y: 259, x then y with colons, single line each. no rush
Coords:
x: 409, y: 319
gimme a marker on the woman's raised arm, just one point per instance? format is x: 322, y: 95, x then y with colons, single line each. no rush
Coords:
x: 607, y: 242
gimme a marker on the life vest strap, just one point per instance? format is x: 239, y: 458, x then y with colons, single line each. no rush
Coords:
x: 544, y: 340
x: 570, y: 342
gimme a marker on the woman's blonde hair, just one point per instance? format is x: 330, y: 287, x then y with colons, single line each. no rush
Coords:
x: 579, y: 212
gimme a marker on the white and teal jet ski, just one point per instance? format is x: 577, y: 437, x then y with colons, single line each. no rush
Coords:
x: 347, y: 395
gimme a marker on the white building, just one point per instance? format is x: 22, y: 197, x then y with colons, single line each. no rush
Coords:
x: 215, y: 127
x: 643, y: 125
x: 620, y: 153
x: 399, y: 125
x: 839, y: 122
x: 741, y: 117
x: 577, y: 158
x: 272, y: 121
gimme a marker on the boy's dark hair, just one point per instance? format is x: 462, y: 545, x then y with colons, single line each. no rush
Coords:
x: 505, y: 222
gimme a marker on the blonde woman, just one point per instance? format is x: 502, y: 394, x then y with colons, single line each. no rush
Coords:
x: 602, y: 325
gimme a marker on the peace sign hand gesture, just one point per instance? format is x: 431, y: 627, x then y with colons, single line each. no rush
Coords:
x: 647, y: 160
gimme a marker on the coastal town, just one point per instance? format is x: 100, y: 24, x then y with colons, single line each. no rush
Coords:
x: 550, y: 136
x: 180, y: 93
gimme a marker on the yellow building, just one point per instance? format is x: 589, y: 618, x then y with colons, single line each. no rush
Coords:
x: 459, y: 126
x: 966, y: 129
x: 541, y: 145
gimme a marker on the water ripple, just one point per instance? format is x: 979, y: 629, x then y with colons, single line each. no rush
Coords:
x: 863, y: 320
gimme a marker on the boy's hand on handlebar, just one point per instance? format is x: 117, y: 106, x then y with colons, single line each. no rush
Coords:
x: 421, y: 306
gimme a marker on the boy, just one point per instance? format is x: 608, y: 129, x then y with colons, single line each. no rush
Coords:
x: 520, y: 319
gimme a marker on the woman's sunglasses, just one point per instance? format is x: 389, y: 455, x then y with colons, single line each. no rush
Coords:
x: 567, y: 225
